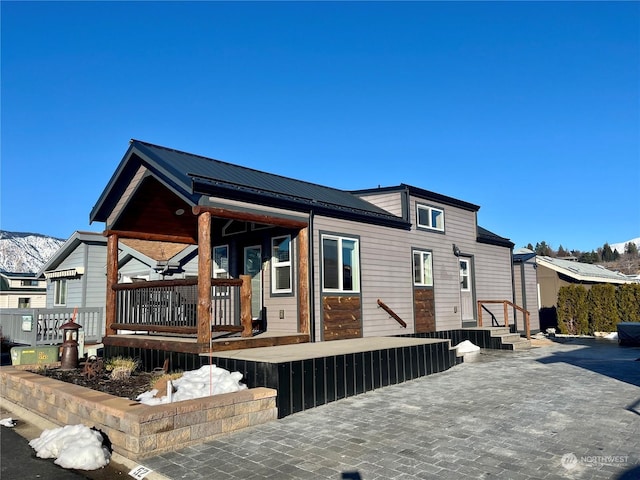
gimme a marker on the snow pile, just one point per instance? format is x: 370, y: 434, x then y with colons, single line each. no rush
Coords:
x: 611, y: 336
x: 466, y: 347
x: 8, y: 422
x: 207, y: 380
x: 73, y: 446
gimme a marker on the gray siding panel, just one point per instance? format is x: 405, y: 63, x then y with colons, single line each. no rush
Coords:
x: 387, y: 270
x: 389, y: 201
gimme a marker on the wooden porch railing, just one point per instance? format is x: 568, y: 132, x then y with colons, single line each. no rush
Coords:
x: 391, y: 313
x: 505, y: 305
x: 170, y: 306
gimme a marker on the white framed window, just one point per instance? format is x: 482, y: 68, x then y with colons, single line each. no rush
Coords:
x: 430, y: 217
x: 422, y: 268
x: 60, y: 292
x: 340, y: 264
x: 221, y: 266
x: 281, y: 264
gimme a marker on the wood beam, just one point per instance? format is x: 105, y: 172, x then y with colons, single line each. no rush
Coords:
x: 204, y: 278
x: 250, y: 217
x: 303, y: 281
x: 112, y: 279
x: 245, y: 306
x: 156, y: 237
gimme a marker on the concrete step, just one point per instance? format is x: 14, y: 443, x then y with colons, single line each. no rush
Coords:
x: 521, y: 344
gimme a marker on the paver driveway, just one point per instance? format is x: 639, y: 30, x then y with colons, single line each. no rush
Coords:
x: 565, y: 410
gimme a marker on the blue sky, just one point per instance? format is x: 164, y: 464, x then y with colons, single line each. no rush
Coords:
x: 530, y: 110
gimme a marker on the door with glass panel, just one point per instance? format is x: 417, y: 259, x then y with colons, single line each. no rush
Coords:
x: 253, y: 267
x: 466, y: 292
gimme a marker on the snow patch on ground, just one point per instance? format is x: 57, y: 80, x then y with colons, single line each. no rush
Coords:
x: 73, y: 446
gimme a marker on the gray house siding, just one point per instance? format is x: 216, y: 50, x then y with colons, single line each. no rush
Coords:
x: 95, y: 275
x: 88, y: 289
x: 493, y: 279
x: 390, y: 201
x: 385, y: 273
x: 527, y: 297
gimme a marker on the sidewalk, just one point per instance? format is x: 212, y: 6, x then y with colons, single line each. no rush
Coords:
x: 564, y: 410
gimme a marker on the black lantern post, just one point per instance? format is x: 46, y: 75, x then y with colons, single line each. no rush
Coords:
x: 69, y: 357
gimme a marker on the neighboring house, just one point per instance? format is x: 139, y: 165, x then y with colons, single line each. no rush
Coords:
x: 21, y: 290
x: 554, y: 273
x: 320, y: 260
x: 525, y: 283
x: 75, y: 274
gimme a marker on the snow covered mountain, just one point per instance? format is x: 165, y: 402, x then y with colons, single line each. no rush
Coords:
x: 620, y: 246
x: 26, y: 252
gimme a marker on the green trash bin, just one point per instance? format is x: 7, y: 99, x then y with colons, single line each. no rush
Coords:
x: 34, y: 355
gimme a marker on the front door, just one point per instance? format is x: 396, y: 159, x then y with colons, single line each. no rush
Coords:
x: 253, y: 267
x: 466, y: 293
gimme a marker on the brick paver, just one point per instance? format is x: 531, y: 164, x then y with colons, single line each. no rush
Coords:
x: 511, y: 415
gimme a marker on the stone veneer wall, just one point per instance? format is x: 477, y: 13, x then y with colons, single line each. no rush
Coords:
x: 137, y: 430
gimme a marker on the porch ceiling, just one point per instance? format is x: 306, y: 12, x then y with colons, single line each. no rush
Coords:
x: 154, y: 209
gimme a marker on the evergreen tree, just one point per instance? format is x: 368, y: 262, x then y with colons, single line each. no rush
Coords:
x: 607, y: 253
x: 631, y: 248
x: 562, y: 252
x: 530, y: 247
x: 543, y: 249
x: 628, y: 300
x: 603, y: 312
x: 573, y: 313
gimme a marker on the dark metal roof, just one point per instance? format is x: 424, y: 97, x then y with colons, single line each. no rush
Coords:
x: 193, y: 176
x: 424, y: 194
x: 485, y: 236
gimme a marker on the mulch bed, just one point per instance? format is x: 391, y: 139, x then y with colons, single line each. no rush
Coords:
x: 137, y: 383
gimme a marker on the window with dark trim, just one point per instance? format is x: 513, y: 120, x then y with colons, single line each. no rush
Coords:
x: 340, y: 264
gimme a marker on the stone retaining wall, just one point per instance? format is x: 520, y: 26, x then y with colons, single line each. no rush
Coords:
x: 137, y: 430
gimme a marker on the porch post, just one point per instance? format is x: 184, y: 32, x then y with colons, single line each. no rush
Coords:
x: 204, y: 277
x: 112, y: 279
x: 303, y: 280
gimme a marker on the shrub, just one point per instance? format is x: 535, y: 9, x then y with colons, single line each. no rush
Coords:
x: 603, y: 312
x: 572, y: 310
x: 628, y: 302
x: 121, y: 367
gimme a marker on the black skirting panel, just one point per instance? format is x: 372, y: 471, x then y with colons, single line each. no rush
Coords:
x: 305, y: 384
x: 150, y: 359
x: 481, y: 338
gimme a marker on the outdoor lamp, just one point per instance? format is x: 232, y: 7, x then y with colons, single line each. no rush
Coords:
x: 69, y: 357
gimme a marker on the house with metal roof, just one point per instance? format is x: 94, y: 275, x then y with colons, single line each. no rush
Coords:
x: 315, y: 263
x: 554, y: 273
